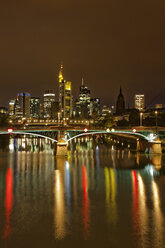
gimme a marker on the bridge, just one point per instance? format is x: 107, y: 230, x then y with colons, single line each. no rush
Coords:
x: 61, y: 136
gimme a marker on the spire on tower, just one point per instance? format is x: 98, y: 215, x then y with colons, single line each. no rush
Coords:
x: 120, y: 90
x: 61, y: 73
x: 82, y: 81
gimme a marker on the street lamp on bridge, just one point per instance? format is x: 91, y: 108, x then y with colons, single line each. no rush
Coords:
x: 156, y: 121
x: 141, y: 119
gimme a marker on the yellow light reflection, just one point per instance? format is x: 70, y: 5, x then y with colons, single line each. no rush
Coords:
x: 110, y: 185
x: 59, y: 208
x: 158, y: 218
x: 143, y: 213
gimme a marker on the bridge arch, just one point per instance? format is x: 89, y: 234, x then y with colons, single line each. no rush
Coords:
x: 32, y: 134
x: 138, y: 135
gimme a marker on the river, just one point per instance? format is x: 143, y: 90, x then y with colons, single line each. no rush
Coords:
x: 99, y: 196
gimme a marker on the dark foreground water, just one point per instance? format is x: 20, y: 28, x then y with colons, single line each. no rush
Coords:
x: 98, y: 197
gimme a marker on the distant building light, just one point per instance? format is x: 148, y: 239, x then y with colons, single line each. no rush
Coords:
x: 49, y: 94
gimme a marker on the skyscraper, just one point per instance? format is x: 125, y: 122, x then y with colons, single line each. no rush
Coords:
x: 11, y: 109
x: 120, y: 104
x: 22, y: 105
x: 139, y: 102
x: 65, y: 96
x: 67, y: 99
x: 61, y: 86
x: 48, y: 105
x: 95, y: 107
x: 83, y: 105
x: 34, y: 107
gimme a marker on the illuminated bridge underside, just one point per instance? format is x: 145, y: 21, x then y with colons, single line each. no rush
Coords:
x: 124, y: 134
x: 30, y: 134
x: 144, y: 143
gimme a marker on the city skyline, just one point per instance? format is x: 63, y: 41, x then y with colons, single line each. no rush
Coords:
x: 82, y: 123
x: 109, y: 44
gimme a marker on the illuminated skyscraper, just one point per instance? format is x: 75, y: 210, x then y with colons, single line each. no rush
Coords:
x: 22, y: 105
x: 85, y: 95
x: 65, y: 96
x: 95, y: 107
x: 139, y: 102
x: 11, y: 108
x: 67, y: 99
x: 61, y: 86
x: 83, y: 105
x: 34, y: 107
x: 48, y: 105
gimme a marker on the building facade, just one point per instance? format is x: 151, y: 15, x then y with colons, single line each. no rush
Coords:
x: 139, y: 102
x: 48, y: 104
x: 22, y: 106
x: 84, y: 105
x: 35, y: 107
x: 12, y: 109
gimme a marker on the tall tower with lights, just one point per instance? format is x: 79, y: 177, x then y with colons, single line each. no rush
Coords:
x: 65, y: 96
x: 61, y: 82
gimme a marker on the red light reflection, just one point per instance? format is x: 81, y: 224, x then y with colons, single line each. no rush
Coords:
x: 135, y: 201
x: 85, y: 202
x: 8, y: 201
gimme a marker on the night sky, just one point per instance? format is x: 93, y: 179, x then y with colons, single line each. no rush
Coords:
x: 109, y: 43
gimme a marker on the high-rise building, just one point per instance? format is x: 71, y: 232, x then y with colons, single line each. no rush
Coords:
x: 120, y: 104
x: 67, y: 99
x: 84, y: 95
x: 22, y: 105
x: 48, y: 105
x: 84, y: 104
x: 95, y: 106
x: 65, y: 96
x: 34, y: 107
x: 139, y: 102
x: 12, y: 109
x: 61, y: 86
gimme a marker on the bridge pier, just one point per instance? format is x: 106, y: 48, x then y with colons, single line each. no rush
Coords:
x: 141, y: 146
x: 153, y: 147
x: 156, y: 147
x: 62, y: 150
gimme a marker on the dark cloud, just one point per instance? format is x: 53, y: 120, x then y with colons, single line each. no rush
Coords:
x: 110, y: 43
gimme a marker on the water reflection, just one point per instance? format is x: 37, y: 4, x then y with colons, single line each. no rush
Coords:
x: 143, y: 216
x: 88, y: 196
x: 85, y: 202
x: 135, y: 202
x: 8, y: 202
x: 158, y: 217
x: 59, y: 207
x: 110, y: 183
x: 30, y: 144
